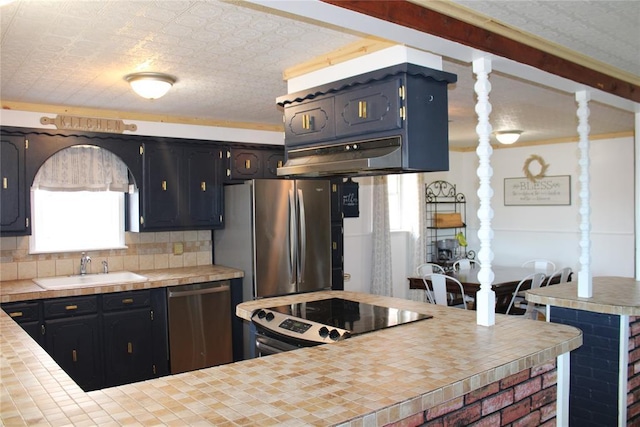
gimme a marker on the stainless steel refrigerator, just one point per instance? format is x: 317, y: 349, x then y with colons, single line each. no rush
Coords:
x: 278, y: 232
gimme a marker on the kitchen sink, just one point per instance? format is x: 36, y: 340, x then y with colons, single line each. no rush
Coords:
x: 117, y: 277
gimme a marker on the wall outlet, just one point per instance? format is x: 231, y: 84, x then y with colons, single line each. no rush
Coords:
x: 178, y: 248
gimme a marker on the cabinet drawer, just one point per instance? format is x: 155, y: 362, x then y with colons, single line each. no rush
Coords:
x: 22, y: 311
x: 126, y: 300
x: 60, y: 307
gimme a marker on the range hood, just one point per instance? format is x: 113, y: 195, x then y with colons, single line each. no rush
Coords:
x: 392, y: 120
x: 357, y: 158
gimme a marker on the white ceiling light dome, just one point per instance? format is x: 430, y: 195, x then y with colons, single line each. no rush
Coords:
x: 508, y: 136
x: 150, y: 85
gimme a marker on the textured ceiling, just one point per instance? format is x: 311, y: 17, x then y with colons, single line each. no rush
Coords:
x: 608, y: 31
x: 229, y: 59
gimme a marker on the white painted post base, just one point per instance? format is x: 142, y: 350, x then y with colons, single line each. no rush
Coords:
x: 562, y: 399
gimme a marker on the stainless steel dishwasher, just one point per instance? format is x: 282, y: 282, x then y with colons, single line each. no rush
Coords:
x: 199, y: 326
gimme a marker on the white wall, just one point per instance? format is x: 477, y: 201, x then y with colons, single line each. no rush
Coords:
x: 523, y: 232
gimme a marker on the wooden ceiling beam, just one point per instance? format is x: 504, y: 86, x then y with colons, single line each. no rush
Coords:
x: 420, y: 18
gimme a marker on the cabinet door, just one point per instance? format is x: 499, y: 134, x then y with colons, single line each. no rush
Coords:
x: 244, y: 163
x: 162, y: 185
x: 74, y: 343
x: 373, y: 108
x: 13, y: 190
x: 272, y: 161
x: 204, y: 192
x: 309, y: 122
x: 128, y: 348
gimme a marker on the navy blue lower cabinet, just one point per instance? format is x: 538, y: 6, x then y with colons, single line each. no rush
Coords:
x: 74, y: 343
x: 594, y: 369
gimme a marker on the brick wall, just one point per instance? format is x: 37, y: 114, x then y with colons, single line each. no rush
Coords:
x: 633, y: 372
x: 527, y: 398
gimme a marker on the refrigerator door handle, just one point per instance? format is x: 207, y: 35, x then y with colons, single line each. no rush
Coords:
x: 292, y: 235
x: 303, y: 236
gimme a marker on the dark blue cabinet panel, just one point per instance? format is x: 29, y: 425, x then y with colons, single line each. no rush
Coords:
x: 204, y: 182
x: 373, y: 108
x: 311, y: 121
x: 74, y: 343
x: 14, y: 206
x: 128, y: 346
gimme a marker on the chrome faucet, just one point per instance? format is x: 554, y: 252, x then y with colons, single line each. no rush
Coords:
x: 105, y: 266
x: 86, y: 259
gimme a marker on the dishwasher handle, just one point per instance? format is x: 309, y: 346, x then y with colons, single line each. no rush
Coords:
x: 204, y: 291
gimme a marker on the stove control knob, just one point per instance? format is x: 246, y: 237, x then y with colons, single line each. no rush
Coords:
x: 269, y: 317
x: 261, y: 314
x: 334, y: 334
x: 324, y: 332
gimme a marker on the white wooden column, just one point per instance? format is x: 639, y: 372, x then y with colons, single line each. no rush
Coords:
x: 585, y: 285
x: 486, y: 297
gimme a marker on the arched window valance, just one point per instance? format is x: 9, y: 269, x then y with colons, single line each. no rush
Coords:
x: 83, y: 168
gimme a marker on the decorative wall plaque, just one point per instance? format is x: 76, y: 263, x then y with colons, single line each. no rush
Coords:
x: 543, y: 191
x: 89, y: 124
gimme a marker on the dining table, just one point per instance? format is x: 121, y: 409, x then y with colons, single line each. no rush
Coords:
x: 506, y: 279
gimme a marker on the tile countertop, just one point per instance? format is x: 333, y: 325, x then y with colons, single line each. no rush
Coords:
x: 21, y: 290
x: 371, y: 379
x: 611, y: 295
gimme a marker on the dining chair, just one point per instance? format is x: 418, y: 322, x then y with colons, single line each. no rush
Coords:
x: 563, y: 273
x: 439, y: 286
x: 465, y: 264
x: 536, y: 280
x: 426, y: 269
x: 540, y: 264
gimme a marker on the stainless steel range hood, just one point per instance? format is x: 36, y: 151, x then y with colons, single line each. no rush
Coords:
x: 355, y: 158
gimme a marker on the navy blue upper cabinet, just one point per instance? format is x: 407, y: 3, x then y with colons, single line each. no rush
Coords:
x: 249, y: 162
x: 161, y: 187
x: 14, y: 205
x: 390, y: 120
x: 182, y: 186
x: 204, y: 182
x: 373, y: 108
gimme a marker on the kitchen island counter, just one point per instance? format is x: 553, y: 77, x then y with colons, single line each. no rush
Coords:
x: 371, y: 379
x: 22, y: 290
x: 605, y: 370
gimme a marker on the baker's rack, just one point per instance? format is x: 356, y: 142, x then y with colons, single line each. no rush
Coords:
x: 446, y: 215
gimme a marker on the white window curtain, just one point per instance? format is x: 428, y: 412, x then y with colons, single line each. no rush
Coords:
x: 418, y: 234
x: 381, y: 281
x: 83, y: 168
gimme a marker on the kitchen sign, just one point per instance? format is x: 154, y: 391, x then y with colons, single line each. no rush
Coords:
x: 543, y: 191
x: 89, y: 124
x: 350, y: 202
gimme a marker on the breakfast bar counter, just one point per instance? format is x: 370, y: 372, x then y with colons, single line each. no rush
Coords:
x: 605, y: 370
x: 393, y: 375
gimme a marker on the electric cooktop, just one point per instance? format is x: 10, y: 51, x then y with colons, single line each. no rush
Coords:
x: 330, y: 320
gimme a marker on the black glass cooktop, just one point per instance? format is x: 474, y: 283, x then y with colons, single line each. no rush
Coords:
x: 356, y: 317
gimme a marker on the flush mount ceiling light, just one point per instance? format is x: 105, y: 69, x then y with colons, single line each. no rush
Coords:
x: 150, y: 85
x: 508, y: 136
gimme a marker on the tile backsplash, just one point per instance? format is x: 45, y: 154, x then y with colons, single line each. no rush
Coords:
x: 145, y: 251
